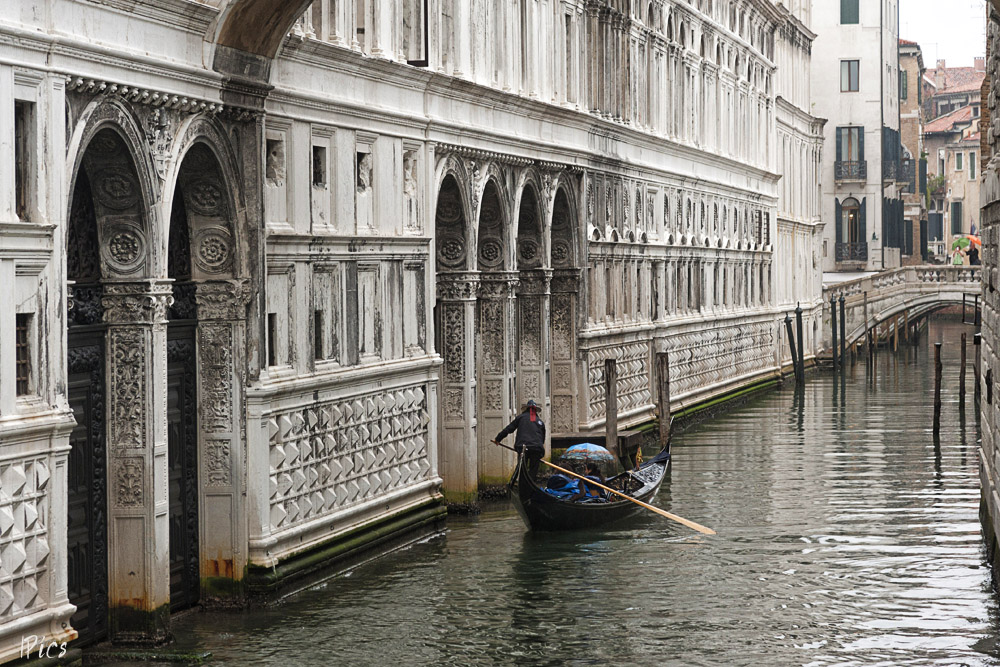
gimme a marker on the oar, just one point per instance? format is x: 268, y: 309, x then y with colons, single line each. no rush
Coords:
x: 674, y: 517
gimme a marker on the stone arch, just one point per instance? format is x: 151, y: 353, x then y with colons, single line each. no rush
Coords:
x: 116, y: 340
x: 564, y: 313
x: 455, y: 326
x: 494, y: 362
x: 248, y: 34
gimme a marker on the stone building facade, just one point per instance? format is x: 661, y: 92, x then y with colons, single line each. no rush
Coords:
x: 911, y: 129
x: 989, y: 454
x: 856, y: 87
x: 274, y: 273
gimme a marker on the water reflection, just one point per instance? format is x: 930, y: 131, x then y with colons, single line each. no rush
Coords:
x: 848, y: 534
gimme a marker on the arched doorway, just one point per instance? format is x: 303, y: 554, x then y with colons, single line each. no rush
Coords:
x: 206, y: 328
x: 87, y: 523
x: 115, y: 314
x: 532, y: 304
x: 494, y: 356
x: 564, y: 300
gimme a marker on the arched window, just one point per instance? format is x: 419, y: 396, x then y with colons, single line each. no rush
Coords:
x: 850, y: 221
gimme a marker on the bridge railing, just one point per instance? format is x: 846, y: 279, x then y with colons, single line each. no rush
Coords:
x: 907, y: 275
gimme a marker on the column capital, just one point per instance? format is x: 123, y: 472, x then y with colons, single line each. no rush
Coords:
x: 457, y: 286
x: 222, y: 299
x: 534, y: 281
x: 136, y: 302
x: 498, y: 284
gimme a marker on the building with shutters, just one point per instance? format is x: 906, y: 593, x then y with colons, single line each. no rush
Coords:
x: 856, y: 79
x: 911, y: 130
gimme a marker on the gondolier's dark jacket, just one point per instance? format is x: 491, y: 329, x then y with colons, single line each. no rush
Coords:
x: 530, y: 434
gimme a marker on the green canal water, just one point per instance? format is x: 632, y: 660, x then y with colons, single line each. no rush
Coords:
x: 845, y: 536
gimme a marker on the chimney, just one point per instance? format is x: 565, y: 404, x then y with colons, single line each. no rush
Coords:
x: 939, y: 75
x: 980, y: 64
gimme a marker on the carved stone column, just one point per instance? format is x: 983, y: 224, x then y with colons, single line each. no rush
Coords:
x: 533, y: 339
x: 456, y: 322
x: 221, y: 336
x: 138, y: 528
x: 566, y: 396
x: 495, y: 372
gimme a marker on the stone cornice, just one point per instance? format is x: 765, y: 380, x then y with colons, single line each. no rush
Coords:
x: 153, y: 98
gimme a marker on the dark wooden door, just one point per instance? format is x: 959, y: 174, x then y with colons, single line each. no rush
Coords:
x: 182, y: 457
x: 87, y: 525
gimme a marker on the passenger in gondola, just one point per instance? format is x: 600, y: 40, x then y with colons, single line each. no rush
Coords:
x: 530, y: 437
x: 589, y: 491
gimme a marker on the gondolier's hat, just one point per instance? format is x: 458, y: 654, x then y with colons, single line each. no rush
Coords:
x: 531, y: 404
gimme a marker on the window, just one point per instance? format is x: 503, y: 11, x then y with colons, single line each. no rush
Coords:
x: 849, y: 76
x: 318, y: 335
x: 972, y: 165
x: 903, y: 84
x: 958, y: 161
x: 848, y: 12
x: 975, y: 111
x: 851, y: 221
x: 319, y: 166
x: 272, y: 339
x: 956, y: 217
x: 23, y: 114
x: 22, y: 327
x: 850, y: 144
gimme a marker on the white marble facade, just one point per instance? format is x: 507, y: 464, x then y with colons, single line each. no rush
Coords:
x: 283, y: 281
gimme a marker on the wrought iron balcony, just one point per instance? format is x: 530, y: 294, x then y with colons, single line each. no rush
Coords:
x: 850, y: 170
x: 891, y: 170
x: 852, y: 252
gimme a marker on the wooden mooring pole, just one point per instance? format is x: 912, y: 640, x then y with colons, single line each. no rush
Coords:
x: 663, y: 380
x: 791, y: 345
x: 833, y: 326
x: 977, y: 341
x: 799, y: 343
x: 843, y: 334
x: 937, y: 388
x: 611, y: 406
x: 961, y: 373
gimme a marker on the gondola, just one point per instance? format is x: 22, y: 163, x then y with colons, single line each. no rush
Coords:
x: 544, y: 511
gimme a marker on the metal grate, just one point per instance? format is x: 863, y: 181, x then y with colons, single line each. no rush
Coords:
x: 22, y: 353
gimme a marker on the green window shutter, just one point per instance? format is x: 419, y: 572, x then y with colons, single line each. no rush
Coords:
x: 849, y: 11
x: 863, y: 222
x: 838, y: 215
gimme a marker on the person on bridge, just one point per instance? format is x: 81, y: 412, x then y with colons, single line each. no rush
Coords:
x: 530, y: 436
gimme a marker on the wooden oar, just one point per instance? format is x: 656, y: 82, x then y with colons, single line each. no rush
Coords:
x: 673, y: 517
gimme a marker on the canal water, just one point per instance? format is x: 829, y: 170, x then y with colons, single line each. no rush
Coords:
x: 846, y: 536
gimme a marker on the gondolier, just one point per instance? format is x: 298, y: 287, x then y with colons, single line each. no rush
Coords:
x: 530, y: 436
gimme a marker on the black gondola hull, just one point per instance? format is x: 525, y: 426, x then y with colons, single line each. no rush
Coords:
x: 543, y: 511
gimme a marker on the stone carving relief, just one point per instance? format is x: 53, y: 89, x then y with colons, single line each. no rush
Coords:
x: 492, y: 395
x: 128, y: 388
x: 116, y: 188
x: 216, y: 351
x: 24, y: 536
x: 124, y: 248
x: 218, y: 463
x: 223, y: 299
x: 132, y: 303
x: 159, y: 126
x: 364, y: 177
x: 331, y: 455
x: 213, y: 250
x: 491, y: 334
x: 205, y: 197
x: 127, y: 473
x: 410, y: 190
x: 454, y: 342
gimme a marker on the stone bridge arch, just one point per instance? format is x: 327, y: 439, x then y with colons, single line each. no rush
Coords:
x: 913, y: 291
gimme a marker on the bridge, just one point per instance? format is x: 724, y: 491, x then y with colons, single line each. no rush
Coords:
x: 889, y: 300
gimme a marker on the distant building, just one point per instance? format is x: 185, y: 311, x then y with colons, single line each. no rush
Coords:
x: 951, y: 143
x: 911, y: 121
x: 861, y: 180
x: 954, y: 88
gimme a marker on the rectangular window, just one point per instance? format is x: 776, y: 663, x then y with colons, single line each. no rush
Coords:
x: 319, y: 166
x: 272, y: 339
x: 848, y: 12
x: 903, y: 84
x: 958, y: 161
x: 956, y: 217
x: 22, y: 327
x: 849, y: 75
x: 972, y: 165
x: 318, y: 335
x: 849, y: 144
x: 23, y: 168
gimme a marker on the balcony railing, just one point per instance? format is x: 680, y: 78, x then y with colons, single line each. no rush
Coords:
x: 850, y: 170
x: 891, y: 170
x: 852, y: 252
